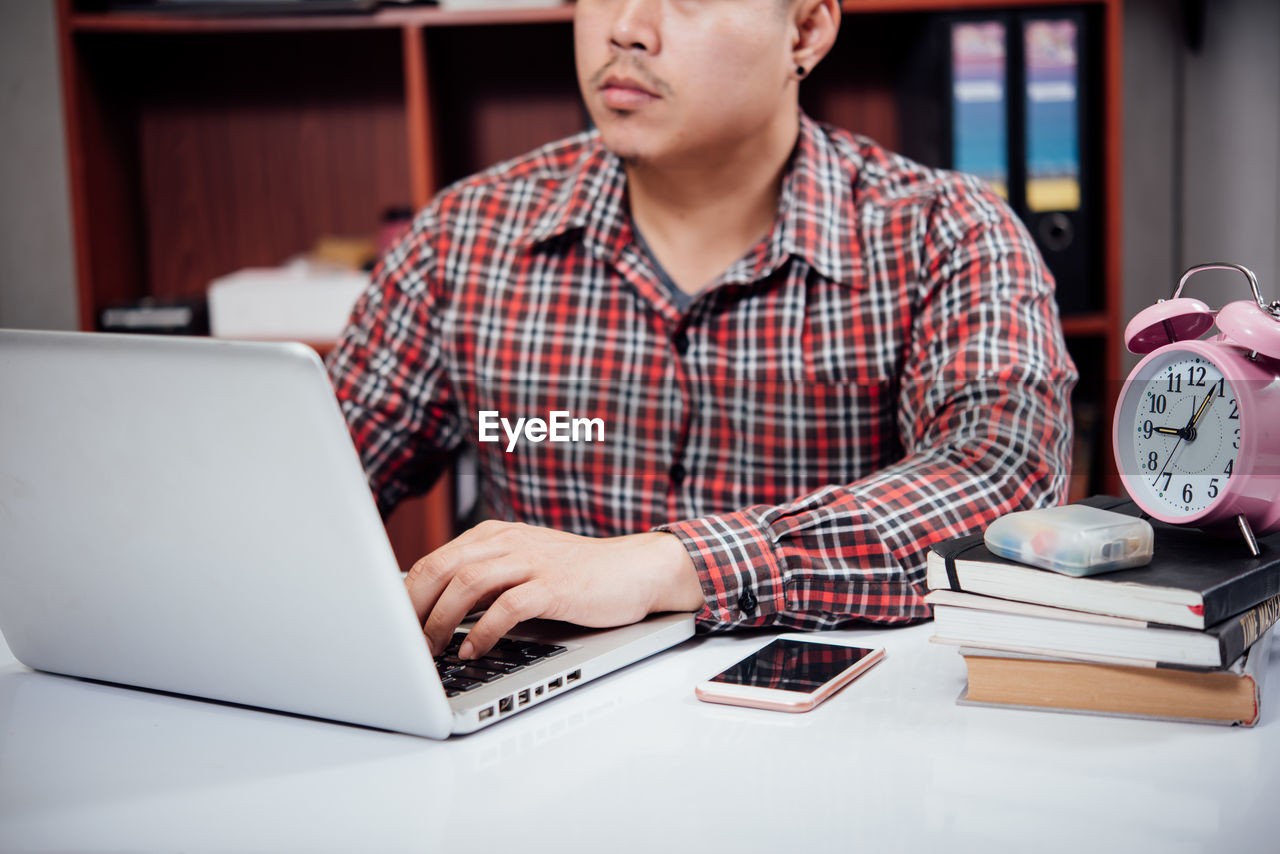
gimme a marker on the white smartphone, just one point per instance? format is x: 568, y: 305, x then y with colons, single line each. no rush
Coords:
x: 789, y: 675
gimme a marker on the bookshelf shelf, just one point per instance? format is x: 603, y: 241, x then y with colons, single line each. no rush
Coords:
x: 202, y: 145
x: 1093, y: 324
x: 433, y: 16
x: 389, y: 18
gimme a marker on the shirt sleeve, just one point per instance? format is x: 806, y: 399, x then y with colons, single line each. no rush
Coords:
x: 984, y: 418
x: 389, y: 375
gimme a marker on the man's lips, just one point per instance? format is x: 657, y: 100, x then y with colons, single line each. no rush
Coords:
x: 623, y: 93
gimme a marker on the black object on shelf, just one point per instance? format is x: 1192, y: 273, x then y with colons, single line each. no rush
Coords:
x: 157, y: 317
x: 1023, y: 87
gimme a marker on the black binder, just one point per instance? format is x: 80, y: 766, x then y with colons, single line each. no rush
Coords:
x: 1049, y: 136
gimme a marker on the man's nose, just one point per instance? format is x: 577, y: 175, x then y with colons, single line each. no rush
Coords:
x: 636, y: 25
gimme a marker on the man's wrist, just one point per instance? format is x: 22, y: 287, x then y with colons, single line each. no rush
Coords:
x: 678, y: 587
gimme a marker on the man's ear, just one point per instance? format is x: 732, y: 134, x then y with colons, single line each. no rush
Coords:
x: 814, y: 24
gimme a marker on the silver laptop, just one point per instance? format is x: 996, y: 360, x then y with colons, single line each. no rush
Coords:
x: 190, y: 515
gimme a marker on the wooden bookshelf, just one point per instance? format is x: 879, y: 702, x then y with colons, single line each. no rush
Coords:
x: 201, y: 145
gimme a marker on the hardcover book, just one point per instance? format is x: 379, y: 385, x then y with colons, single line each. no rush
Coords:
x: 965, y: 620
x: 1229, y: 696
x: 1194, y: 579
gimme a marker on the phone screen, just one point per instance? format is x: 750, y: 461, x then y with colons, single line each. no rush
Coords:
x: 791, y: 665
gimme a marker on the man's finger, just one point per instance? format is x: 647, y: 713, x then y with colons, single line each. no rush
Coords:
x: 471, y: 585
x: 430, y: 575
x: 520, y: 603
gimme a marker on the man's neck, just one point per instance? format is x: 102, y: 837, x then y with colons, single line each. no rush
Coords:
x: 701, y: 215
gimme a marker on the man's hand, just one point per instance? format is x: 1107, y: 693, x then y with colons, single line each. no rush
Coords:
x: 522, y: 572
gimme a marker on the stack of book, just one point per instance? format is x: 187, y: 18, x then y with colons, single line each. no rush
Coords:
x: 1184, y: 638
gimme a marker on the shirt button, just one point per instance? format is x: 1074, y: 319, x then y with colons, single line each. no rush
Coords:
x: 681, y: 342
x: 747, y: 603
x: 677, y: 474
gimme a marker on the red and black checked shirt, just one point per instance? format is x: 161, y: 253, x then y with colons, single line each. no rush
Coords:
x: 884, y: 369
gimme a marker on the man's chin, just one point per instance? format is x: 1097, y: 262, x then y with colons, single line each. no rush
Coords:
x: 629, y: 156
x: 626, y: 152
x: 626, y: 142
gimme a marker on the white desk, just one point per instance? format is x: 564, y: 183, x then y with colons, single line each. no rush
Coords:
x: 635, y: 763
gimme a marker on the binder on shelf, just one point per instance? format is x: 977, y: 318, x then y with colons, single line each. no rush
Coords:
x: 1020, y: 96
x: 979, y: 106
x: 1050, y: 57
x: 1055, y: 194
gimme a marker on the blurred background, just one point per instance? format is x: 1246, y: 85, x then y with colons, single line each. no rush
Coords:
x: 238, y: 172
x: 1201, y: 151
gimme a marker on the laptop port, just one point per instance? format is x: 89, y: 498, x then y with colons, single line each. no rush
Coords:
x: 574, y: 676
x: 554, y: 683
x: 506, y: 704
x: 524, y: 696
x: 486, y: 713
x: 537, y: 692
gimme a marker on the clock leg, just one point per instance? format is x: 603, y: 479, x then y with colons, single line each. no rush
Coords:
x: 1249, y: 538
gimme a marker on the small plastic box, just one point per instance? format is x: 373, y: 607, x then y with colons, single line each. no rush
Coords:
x: 1073, y: 539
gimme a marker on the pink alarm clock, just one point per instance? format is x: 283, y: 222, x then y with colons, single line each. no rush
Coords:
x: 1197, y: 426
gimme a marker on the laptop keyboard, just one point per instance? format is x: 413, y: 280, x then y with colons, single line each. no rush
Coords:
x: 507, y: 656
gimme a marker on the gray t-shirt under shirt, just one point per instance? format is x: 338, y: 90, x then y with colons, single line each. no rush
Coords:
x: 679, y: 297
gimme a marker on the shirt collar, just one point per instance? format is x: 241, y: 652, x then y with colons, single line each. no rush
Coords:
x: 815, y: 208
x: 591, y: 199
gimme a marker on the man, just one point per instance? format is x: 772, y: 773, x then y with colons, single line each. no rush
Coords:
x: 809, y: 358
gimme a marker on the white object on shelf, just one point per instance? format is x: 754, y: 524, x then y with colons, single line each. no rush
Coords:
x: 299, y: 301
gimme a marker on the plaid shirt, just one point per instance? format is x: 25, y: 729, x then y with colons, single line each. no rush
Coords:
x: 883, y: 370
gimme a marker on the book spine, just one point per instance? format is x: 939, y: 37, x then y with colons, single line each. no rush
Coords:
x: 1244, y: 630
x: 1241, y: 594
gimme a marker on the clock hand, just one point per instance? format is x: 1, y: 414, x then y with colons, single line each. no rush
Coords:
x: 1168, y: 459
x: 1208, y: 397
x: 1189, y: 432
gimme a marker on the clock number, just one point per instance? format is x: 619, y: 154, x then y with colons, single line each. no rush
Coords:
x: 1235, y: 411
x: 1236, y: 443
x: 1231, y: 466
x: 1175, y: 382
x: 1152, y: 461
x: 1147, y: 428
x: 1221, y: 384
x: 1168, y: 476
x: 1158, y: 404
x: 1187, y: 494
x: 1213, y: 487
x: 1195, y: 376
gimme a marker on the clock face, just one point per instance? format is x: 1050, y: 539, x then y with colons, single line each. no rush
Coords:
x: 1183, y: 426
